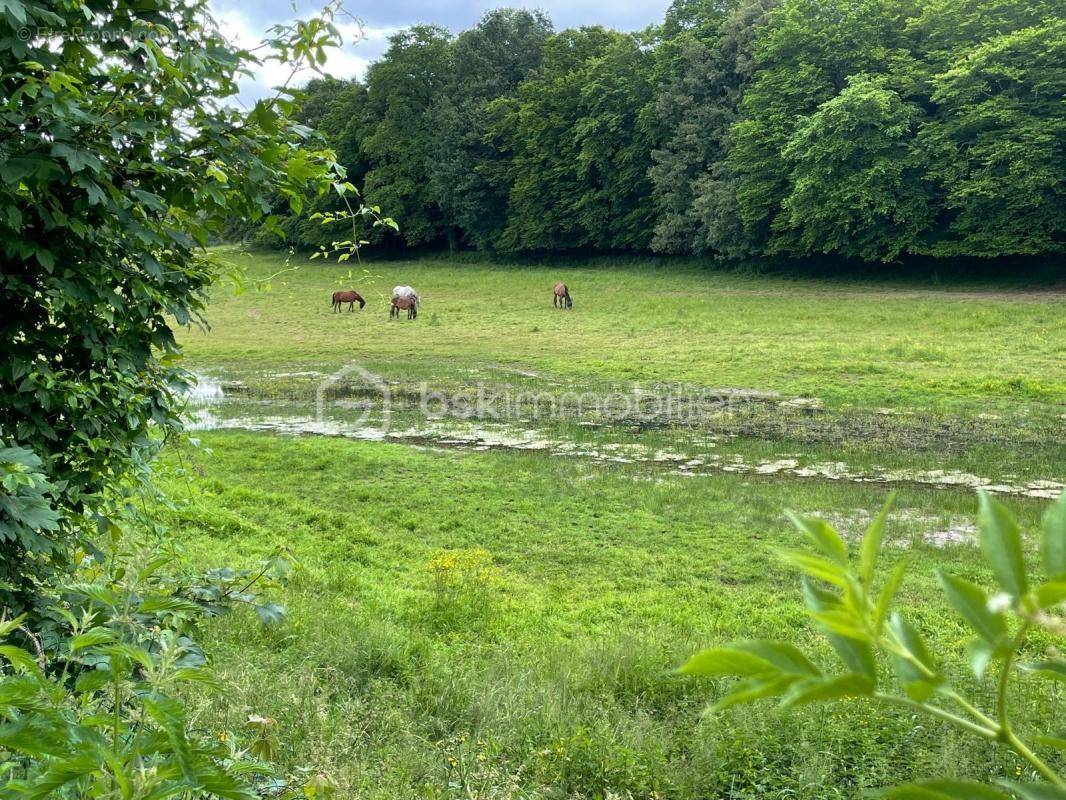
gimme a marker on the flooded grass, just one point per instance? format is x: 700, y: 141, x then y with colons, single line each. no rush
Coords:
x: 661, y: 428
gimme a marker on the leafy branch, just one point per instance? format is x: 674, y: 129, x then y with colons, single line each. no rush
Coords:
x: 855, y: 613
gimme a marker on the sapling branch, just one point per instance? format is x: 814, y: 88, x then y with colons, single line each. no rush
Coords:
x: 936, y: 711
x: 856, y: 616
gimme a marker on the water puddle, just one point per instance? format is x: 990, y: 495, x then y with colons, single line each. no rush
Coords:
x: 214, y: 404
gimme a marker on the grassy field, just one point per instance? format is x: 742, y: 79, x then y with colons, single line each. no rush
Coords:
x: 979, y: 349
x: 477, y: 617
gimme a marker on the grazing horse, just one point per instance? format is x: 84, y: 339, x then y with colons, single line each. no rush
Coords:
x: 406, y: 291
x: 404, y: 303
x: 351, y: 298
x: 561, y: 299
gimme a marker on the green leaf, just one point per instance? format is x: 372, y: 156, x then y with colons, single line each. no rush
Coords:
x: 1053, y: 537
x: 972, y: 603
x: 1036, y: 791
x: 1051, y: 668
x: 169, y: 603
x: 91, y: 638
x: 910, y: 673
x: 217, y: 782
x: 783, y: 656
x: 823, y: 536
x: 719, y: 661
x: 270, y: 613
x: 1051, y: 594
x: 1051, y: 741
x: 16, y: 9
x: 857, y: 655
x: 1002, y: 545
x: 755, y: 689
x: 979, y: 655
x: 170, y: 716
x: 62, y: 772
x: 817, y: 567
x: 871, y: 542
x: 944, y: 790
x: 888, y: 594
x: 128, y: 652
x: 198, y: 675
x: 843, y: 623
x: 820, y: 690
x: 18, y: 658
x: 92, y: 680
x: 9, y: 625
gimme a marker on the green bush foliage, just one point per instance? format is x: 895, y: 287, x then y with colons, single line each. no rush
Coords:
x: 886, y: 658
x: 121, y: 157
x: 91, y: 702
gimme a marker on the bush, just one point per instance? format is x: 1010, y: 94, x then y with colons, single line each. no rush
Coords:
x: 91, y: 706
x: 855, y: 612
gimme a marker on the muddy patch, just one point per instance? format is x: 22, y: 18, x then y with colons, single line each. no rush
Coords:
x: 480, y: 438
x: 904, y: 528
x: 708, y: 445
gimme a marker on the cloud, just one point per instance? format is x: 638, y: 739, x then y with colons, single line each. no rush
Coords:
x: 362, y: 44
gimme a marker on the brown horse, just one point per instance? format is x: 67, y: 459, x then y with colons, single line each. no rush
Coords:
x: 561, y: 299
x: 351, y: 298
x: 403, y: 303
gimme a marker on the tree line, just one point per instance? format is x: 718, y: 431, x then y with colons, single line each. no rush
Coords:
x: 868, y: 129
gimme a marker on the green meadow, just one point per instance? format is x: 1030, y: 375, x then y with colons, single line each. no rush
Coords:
x: 868, y: 344
x: 477, y: 620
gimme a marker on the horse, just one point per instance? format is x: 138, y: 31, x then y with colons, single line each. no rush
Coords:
x: 561, y: 298
x: 406, y: 291
x: 351, y: 298
x: 404, y: 303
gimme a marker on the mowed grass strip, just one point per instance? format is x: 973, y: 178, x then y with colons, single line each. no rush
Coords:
x: 506, y: 625
x: 878, y: 345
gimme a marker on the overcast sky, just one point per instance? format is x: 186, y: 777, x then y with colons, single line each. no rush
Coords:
x: 247, y: 20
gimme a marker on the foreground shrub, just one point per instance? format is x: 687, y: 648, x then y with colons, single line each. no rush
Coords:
x: 121, y: 156
x: 92, y: 706
x: 854, y: 610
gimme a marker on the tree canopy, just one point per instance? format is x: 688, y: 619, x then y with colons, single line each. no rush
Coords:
x: 873, y: 130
